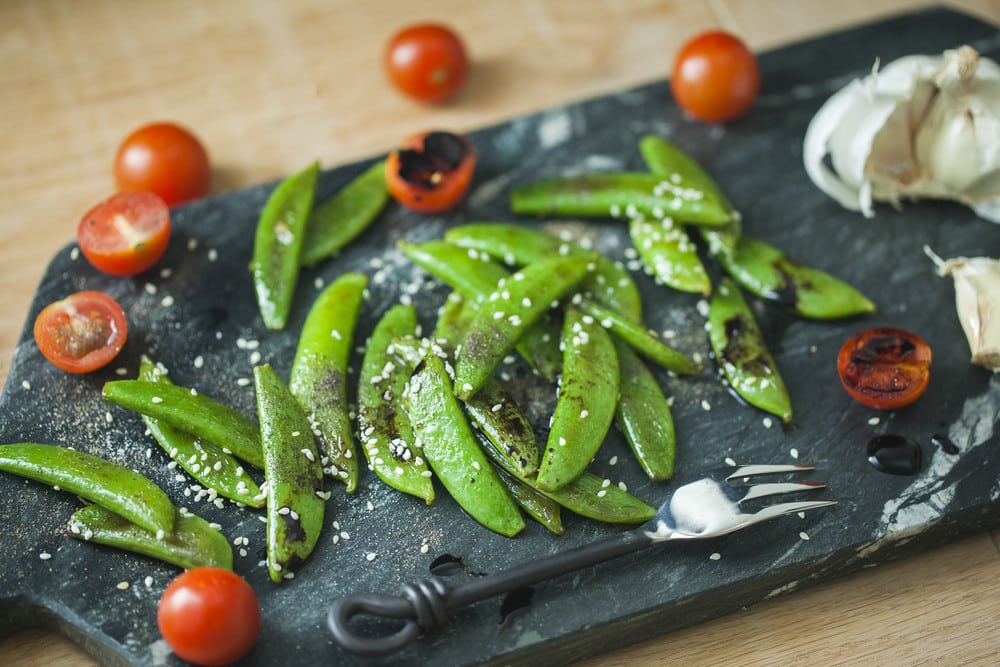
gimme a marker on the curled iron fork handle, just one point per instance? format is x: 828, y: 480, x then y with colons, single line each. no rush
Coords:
x: 426, y: 605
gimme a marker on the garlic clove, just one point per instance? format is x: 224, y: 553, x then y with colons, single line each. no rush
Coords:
x: 922, y: 127
x: 977, y: 301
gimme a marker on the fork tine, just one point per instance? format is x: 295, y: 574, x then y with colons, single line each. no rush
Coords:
x: 782, y: 509
x: 771, y: 489
x: 748, y: 470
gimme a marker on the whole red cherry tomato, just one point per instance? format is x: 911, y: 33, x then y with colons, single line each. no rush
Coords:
x: 427, y: 62
x: 166, y: 159
x: 431, y: 172
x: 82, y: 332
x: 884, y: 367
x: 125, y: 234
x: 715, y: 77
x: 209, y: 616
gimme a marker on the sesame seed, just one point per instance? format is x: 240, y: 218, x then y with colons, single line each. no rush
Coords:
x: 768, y: 422
x: 804, y: 536
x: 243, y: 382
x: 199, y: 361
x: 715, y: 556
x: 26, y: 385
x: 705, y: 405
x: 156, y: 399
x: 122, y: 586
x: 602, y: 493
x: 730, y: 461
x: 213, y: 254
x: 584, y: 414
x: 148, y: 581
x: 794, y: 453
x: 45, y: 555
x: 873, y: 421
x: 370, y: 556
x: 613, y: 460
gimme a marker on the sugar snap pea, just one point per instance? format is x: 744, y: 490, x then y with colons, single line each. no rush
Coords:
x: 642, y: 340
x: 669, y: 161
x: 204, y: 461
x: 452, y: 451
x: 190, y: 411
x: 492, y: 410
x: 294, y: 475
x: 742, y: 354
x: 643, y: 415
x: 319, y: 373
x: 340, y: 219
x: 475, y: 278
x: 619, y: 195
x: 537, y: 505
x: 384, y: 429
x: 192, y: 543
x: 515, y: 304
x: 666, y: 250
x: 278, y: 245
x: 588, y: 495
x: 123, y: 491
x: 766, y: 272
x: 585, y: 407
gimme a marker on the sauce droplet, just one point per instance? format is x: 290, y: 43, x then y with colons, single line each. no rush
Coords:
x: 894, y: 454
x: 944, y: 443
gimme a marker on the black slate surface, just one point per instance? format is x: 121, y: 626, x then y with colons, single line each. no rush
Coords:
x: 203, y: 307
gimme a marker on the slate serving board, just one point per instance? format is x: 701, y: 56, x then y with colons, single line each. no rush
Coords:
x: 203, y: 306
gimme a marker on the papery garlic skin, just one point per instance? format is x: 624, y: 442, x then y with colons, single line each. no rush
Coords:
x: 921, y: 127
x: 977, y: 300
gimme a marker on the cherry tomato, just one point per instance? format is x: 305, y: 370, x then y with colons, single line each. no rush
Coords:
x: 431, y: 172
x: 209, y: 616
x: 884, y: 367
x: 82, y: 332
x: 166, y: 159
x: 715, y: 77
x: 125, y: 234
x: 427, y: 62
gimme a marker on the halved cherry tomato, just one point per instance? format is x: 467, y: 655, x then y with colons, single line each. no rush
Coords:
x: 715, y: 77
x: 885, y: 367
x: 82, y: 332
x: 125, y: 234
x: 431, y: 172
x: 209, y: 616
x: 427, y: 62
x: 166, y: 159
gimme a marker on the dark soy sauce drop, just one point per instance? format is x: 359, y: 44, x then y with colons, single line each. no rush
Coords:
x: 894, y: 454
x: 447, y: 565
x: 944, y: 443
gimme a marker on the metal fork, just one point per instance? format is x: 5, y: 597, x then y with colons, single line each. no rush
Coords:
x: 707, y: 507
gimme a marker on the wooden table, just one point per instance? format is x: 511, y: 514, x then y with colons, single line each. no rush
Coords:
x: 269, y: 85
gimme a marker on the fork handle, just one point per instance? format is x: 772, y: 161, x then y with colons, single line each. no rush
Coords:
x: 426, y: 605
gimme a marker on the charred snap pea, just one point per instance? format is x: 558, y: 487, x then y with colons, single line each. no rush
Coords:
x: 668, y: 161
x: 204, y: 461
x: 115, y: 487
x: 186, y: 409
x: 619, y: 195
x: 643, y: 416
x: 193, y: 542
x: 765, y: 271
x: 515, y: 304
x: 609, y: 283
x: 340, y: 219
x: 588, y: 495
x: 585, y: 407
x: 742, y: 354
x: 492, y: 410
x: 537, y: 505
x: 475, y: 276
x: 295, y: 499
x: 666, y: 250
x: 452, y: 451
x: 278, y: 245
x: 641, y: 339
x: 319, y: 373
x: 385, y: 434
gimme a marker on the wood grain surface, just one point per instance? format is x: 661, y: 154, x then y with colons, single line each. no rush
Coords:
x: 269, y: 86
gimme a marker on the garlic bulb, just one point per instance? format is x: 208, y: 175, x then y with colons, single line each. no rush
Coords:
x: 977, y: 300
x: 921, y: 127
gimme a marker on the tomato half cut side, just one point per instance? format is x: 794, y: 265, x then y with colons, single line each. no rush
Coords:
x: 885, y: 367
x: 209, y: 616
x: 164, y: 158
x: 82, y: 332
x: 431, y: 172
x: 126, y: 234
x: 715, y: 77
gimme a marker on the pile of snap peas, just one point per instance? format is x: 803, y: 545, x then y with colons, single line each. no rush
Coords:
x: 432, y: 406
